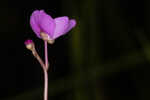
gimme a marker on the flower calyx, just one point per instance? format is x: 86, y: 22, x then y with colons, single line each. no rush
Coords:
x: 47, y: 38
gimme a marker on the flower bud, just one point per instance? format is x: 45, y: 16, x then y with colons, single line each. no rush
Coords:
x: 29, y: 44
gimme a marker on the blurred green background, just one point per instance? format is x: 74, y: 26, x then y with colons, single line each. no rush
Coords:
x: 105, y: 57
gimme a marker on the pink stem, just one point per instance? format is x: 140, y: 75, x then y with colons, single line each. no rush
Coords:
x: 38, y: 58
x: 46, y: 55
x: 44, y: 67
x: 45, y: 85
x: 45, y: 72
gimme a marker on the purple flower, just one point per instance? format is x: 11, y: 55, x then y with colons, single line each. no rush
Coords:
x: 53, y: 28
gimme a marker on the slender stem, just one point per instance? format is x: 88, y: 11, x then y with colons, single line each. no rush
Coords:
x: 46, y: 55
x: 45, y: 84
x: 38, y: 58
x: 44, y: 67
x: 45, y: 72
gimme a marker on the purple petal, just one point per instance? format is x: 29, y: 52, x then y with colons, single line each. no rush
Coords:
x: 34, y: 23
x: 61, y: 26
x: 72, y: 24
x: 46, y: 23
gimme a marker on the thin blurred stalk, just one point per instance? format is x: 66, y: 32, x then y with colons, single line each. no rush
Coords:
x: 77, y: 49
x: 145, y: 49
x: 145, y: 43
x: 93, y: 44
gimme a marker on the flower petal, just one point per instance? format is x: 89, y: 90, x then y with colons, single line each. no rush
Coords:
x: 72, y: 23
x: 34, y: 23
x: 46, y: 23
x: 61, y: 26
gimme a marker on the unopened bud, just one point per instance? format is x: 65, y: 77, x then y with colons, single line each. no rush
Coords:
x: 29, y: 44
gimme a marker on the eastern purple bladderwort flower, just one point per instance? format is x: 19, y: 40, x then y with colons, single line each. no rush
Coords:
x: 48, y: 29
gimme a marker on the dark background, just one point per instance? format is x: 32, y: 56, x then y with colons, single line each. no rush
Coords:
x: 105, y: 57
